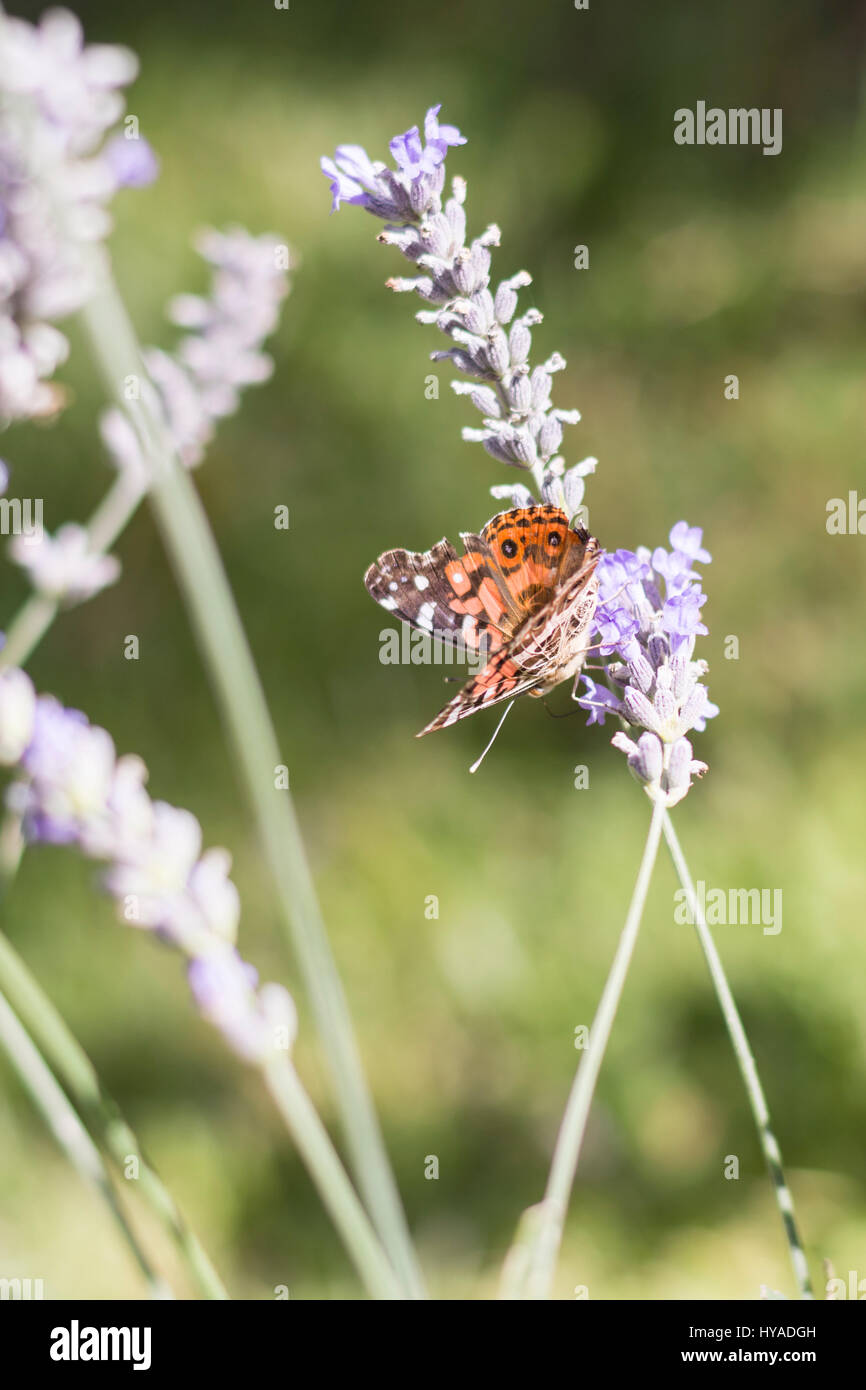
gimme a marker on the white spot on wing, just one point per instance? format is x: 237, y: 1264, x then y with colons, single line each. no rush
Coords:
x: 425, y: 616
x: 422, y: 582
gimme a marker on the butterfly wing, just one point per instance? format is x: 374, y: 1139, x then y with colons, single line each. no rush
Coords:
x: 531, y: 551
x: 451, y: 597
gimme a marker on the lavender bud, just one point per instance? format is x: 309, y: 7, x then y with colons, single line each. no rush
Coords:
x: 642, y: 673
x: 666, y: 710
x: 515, y: 493
x: 505, y: 303
x: 679, y: 766
x: 550, y: 435
x: 476, y: 319
x: 497, y: 351
x: 499, y: 449
x: 541, y: 387
x: 480, y: 266
x: 436, y: 235
x: 462, y: 272
x: 486, y: 400
x: 456, y: 215
x: 519, y: 342
x: 524, y: 448
x: 658, y: 649
x: 520, y: 394
x: 639, y: 710
x: 647, y: 762
x: 694, y: 707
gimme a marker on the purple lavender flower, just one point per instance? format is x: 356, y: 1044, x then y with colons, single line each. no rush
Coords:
x: 490, y: 345
x: 414, y: 157
x: 63, y: 567
x: 224, y: 988
x: 387, y: 193
x: 222, y: 353
x: 58, y: 99
x: 649, y: 616
x: 71, y: 789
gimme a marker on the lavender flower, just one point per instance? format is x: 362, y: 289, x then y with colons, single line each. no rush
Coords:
x: 224, y: 988
x: 200, y: 383
x: 649, y: 616
x: 63, y: 567
x: 70, y: 788
x: 58, y: 99
x: 492, y: 347
x: 406, y: 193
x: 649, y: 612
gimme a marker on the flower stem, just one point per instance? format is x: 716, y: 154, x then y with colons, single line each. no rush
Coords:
x: 329, y: 1175
x: 65, y: 1125
x: 70, y: 1063
x: 746, y: 1062
x: 531, y: 1262
x: 222, y: 640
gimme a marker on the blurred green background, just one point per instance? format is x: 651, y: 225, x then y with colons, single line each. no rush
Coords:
x: 703, y: 262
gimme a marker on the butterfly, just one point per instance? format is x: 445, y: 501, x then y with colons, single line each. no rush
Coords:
x: 523, y: 594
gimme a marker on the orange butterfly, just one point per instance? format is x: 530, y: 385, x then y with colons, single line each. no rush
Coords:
x: 524, y: 592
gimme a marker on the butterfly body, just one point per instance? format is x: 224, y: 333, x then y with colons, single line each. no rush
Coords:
x: 523, y: 593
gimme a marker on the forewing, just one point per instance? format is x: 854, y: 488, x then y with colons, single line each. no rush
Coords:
x: 451, y: 597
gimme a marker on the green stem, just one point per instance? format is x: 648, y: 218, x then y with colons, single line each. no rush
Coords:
x: 65, y: 1125
x: 329, y: 1175
x: 199, y: 570
x: 70, y: 1062
x: 746, y: 1062
x: 531, y: 1262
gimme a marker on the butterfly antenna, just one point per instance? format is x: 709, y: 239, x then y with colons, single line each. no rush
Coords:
x: 475, y: 766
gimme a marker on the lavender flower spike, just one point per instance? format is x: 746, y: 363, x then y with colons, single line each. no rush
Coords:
x: 491, y: 346
x: 649, y: 616
x: 72, y: 789
x: 58, y: 100
x: 200, y: 383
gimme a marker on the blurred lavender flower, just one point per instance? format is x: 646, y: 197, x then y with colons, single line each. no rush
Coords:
x: 224, y: 988
x: 200, y: 383
x: 17, y: 713
x: 71, y: 788
x: 520, y: 425
x: 132, y: 162
x: 63, y: 567
x: 58, y: 99
x: 649, y: 615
